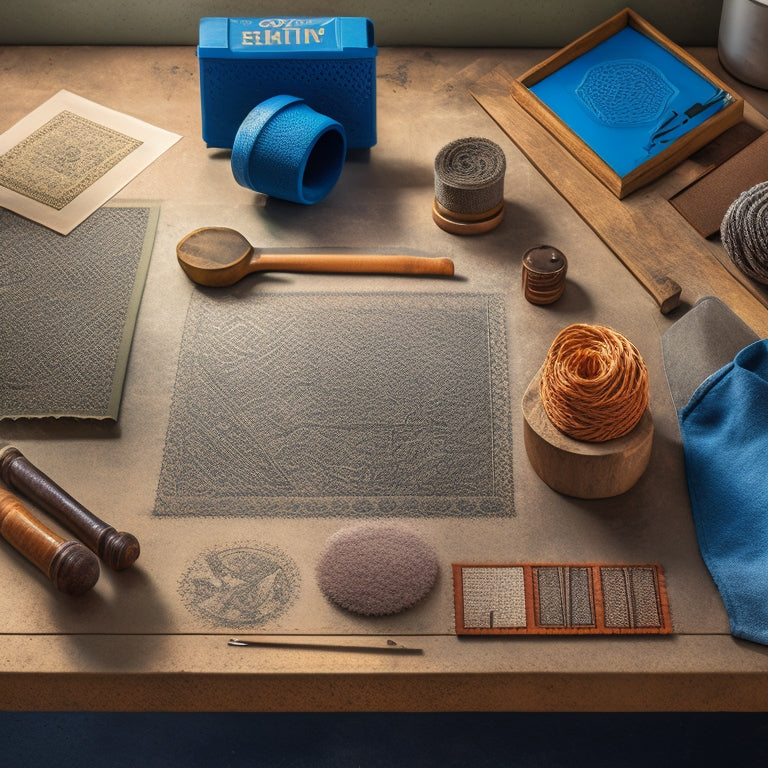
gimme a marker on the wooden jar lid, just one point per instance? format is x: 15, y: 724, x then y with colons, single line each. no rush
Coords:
x: 544, y: 270
x: 578, y: 468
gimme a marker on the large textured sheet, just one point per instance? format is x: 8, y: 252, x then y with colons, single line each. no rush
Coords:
x: 367, y: 405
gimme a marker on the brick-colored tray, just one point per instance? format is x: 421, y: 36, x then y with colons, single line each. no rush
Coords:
x: 560, y: 599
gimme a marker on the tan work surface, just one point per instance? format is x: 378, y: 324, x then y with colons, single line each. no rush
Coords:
x: 133, y: 643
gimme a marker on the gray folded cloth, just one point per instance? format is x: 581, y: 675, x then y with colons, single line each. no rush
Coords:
x: 704, y: 340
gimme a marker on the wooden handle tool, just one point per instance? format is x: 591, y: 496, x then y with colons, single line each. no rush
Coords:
x: 116, y: 548
x: 71, y: 567
x: 219, y: 257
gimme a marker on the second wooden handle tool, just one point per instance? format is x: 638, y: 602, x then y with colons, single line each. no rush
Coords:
x: 71, y: 567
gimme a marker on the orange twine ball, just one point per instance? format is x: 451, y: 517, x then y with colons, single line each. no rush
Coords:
x: 594, y: 383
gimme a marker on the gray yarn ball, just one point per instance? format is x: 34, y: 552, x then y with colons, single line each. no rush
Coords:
x: 744, y: 232
x: 376, y: 569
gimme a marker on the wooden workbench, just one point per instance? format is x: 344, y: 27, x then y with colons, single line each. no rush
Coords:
x: 133, y: 645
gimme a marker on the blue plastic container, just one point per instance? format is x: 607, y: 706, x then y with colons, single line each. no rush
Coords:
x: 330, y: 63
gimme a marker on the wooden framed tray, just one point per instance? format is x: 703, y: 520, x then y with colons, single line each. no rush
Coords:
x: 627, y: 102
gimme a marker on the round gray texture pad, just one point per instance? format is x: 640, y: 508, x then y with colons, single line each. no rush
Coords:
x: 376, y: 569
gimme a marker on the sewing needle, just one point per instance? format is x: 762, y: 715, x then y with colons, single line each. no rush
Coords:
x: 390, y: 647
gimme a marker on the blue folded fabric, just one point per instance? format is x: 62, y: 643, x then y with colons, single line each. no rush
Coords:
x: 724, y: 430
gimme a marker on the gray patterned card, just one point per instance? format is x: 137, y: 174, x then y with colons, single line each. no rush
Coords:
x: 68, y: 305
x: 359, y: 405
x: 69, y: 156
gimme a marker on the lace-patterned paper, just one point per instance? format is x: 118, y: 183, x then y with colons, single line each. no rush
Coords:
x: 69, y: 156
x: 62, y: 158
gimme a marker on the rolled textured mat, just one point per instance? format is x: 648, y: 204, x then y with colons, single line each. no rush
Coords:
x: 744, y: 231
x: 469, y: 186
x: 285, y: 149
x: 376, y: 569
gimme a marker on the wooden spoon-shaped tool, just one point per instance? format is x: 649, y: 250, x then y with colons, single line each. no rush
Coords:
x: 219, y: 256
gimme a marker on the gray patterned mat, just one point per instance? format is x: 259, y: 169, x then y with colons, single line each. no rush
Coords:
x: 359, y: 405
x: 68, y: 306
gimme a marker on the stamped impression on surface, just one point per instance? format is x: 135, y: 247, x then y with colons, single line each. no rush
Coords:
x: 240, y: 585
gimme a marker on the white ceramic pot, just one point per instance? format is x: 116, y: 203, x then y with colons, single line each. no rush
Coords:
x: 743, y: 40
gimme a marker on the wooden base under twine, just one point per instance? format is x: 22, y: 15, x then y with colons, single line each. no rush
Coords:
x: 582, y: 469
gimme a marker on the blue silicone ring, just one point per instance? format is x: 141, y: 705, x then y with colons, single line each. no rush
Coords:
x: 285, y: 149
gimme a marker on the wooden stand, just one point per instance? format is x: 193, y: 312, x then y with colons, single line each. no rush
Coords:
x: 467, y: 223
x: 581, y: 469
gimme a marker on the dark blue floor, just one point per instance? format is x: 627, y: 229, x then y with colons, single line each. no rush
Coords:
x: 146, y: 740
